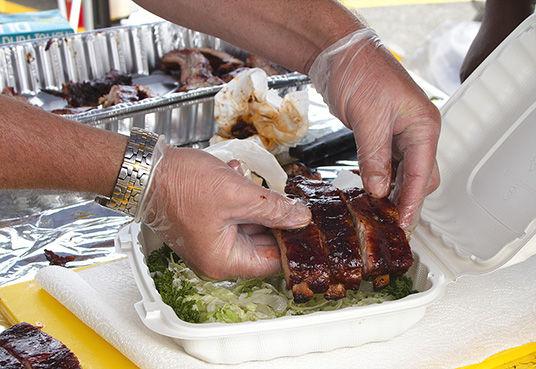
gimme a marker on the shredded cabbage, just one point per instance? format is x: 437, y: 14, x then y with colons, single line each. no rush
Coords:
x: 198, y: 301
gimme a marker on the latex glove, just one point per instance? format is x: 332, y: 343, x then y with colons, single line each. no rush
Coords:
x: 210, y: 215
x: 373, y: 95
x: 500, y: 19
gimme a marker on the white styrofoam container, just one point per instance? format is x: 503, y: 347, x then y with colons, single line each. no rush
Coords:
x: 481, y: 216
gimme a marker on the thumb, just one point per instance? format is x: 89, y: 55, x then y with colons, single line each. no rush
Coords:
x: 374, y: 156
x: 253, y: 258
x: 259, y: 205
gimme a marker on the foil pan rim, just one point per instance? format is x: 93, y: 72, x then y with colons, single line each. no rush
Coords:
x: 95, y: 115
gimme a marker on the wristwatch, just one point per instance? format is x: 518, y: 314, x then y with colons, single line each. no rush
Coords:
x: 134, y: 173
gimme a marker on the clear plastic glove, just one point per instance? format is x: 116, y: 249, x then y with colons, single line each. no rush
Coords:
x: 213, y: 217
x: 391, y: 117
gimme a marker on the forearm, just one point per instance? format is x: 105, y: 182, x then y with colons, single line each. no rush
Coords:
x: 288, y: 32
x: 39, y: 150
x: 511, y: 12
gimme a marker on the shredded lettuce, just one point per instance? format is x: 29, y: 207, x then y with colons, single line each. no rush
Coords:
x: 198, y: 301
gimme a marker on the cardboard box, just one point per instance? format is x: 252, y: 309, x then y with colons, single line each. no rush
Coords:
x: 26, y: 26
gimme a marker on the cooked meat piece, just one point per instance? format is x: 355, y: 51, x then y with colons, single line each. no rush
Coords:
x: 36, y: 349
x: 221, y: 62
x: 8, y: 361
x: 271, y: 69
x: 229, y: 76
x: 300, y: 169
x: 67, y: 110
x: 55, y: 259
x: 304, y: 261
x: 192, y: 68
x: 10, y: 91
x: 380, y: 281
x: 119, y: 94
x: 87, y: 93
x: 335, y: 291
x: 243, y: 129
x: 333, y: 219
x: 384, y: 246
x: 144, y: 92
x: 53, y: 92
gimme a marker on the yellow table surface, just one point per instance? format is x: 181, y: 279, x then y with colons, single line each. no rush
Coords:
x: 28, y: 302
x: 522, y: 357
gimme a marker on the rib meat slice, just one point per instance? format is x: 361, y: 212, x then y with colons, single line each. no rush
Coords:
x: 120, y: 93
x: 221, y: 62
x: 87, y: 93
x: 60, y: 260
x: 304, y: 261
x: 8, y: 361
x: 338, y: 234
x: 232, y: 74
x: 192, y: 67
x: 300, y: 169
x: 10, y: 91
x: 36, y: 349
x: 384, y: 246
x: 271, y: 69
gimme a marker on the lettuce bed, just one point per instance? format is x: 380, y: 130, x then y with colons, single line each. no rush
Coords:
x: 198, y: 301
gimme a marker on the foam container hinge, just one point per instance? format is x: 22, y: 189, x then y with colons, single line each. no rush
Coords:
x: 479, y: 219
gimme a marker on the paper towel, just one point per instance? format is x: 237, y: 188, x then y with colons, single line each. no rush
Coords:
x: 479, y: 316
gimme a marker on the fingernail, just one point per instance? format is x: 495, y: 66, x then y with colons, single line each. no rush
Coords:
x: 410, y: 217
x: 376, y: 185
x: 301, y: 215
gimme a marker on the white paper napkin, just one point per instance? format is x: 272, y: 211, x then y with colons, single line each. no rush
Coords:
x: 479, y: 316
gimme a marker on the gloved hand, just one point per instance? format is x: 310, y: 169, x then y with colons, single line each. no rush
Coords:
x: 213, y: 217
x: 391, y: 117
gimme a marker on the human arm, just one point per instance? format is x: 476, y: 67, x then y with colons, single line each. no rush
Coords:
x: 368, y: 89
x: 40, y: 150
x: 500, y: 19
x: 290, y: 33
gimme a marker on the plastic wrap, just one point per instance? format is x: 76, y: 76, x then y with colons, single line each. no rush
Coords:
x: 254, y: 158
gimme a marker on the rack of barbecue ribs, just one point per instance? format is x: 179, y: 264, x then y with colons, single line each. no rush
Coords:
x: 352, y: 236
x: 25, y: 346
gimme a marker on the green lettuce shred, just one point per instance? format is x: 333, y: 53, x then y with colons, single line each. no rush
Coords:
x: 199, y: 301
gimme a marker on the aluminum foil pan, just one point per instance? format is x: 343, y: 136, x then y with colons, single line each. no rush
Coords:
x: 33, y: 66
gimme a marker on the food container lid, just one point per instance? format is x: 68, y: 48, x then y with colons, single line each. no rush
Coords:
x: 485, y: 209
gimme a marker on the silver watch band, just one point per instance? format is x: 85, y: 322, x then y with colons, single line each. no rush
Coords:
x: 134, y: 174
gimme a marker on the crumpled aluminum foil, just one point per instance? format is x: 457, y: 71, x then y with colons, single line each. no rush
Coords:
x: 85, y: 230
